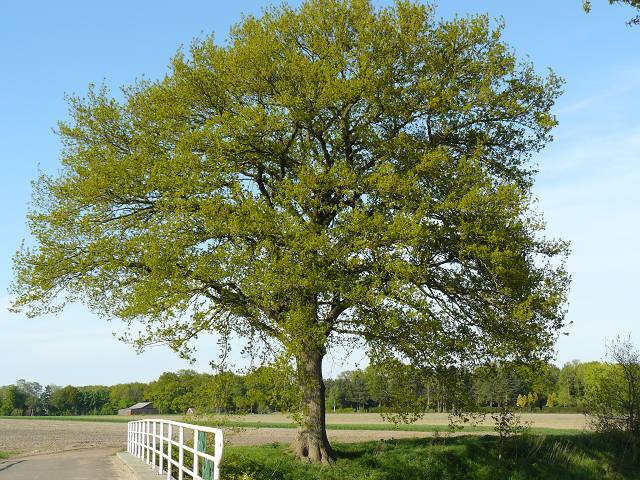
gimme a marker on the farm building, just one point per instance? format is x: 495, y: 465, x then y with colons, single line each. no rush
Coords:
x: 143, y: 408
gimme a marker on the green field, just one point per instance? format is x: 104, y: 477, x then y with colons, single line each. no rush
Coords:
x: 584, y: 457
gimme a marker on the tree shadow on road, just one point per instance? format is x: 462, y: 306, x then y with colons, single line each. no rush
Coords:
x: 6, y: 465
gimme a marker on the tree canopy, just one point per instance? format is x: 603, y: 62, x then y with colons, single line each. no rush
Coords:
x: 336, y: 171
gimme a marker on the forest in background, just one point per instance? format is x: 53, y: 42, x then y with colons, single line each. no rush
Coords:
x: 547, y: 389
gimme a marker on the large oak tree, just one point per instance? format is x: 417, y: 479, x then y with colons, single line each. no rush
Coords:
x: 332, y: 171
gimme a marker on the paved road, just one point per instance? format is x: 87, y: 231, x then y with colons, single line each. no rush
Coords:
x: 92, y: 464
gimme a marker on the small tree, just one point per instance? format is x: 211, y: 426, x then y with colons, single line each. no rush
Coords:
x: 507, y: 424
x: 334, y: 396
x: 66, y: 400
x: 46, y: 399
x: 552, y: 400
x: 13, y: 402
x: 32, y: 392
x: 126, y: 394
x: 497, y: 384
x: 612, y: 397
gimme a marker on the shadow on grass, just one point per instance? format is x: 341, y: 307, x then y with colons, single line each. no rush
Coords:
x: 584, y: 457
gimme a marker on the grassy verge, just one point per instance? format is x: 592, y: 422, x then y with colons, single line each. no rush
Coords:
x: 4, y: 454
x: 229, y: 423
x: 584, y: 457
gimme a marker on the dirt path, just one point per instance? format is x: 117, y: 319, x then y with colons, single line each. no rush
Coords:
x: 91, y: 464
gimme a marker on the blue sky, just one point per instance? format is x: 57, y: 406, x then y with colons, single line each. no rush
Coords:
x: 587, y: 185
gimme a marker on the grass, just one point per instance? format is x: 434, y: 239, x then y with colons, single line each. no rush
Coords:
x: 224, y: 422
x: 4, y: 454
x: 543, y: 454
x: 579, y: 457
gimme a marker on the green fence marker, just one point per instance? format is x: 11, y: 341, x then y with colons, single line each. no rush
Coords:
x: 207, y: 465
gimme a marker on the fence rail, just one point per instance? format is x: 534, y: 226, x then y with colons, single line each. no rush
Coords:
x: 158, y: 442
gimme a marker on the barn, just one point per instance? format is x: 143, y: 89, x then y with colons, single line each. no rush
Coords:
x: 143, y: 408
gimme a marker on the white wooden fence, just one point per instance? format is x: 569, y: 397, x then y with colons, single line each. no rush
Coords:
x: 162, y: 444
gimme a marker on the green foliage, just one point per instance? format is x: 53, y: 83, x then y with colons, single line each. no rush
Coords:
x: 262, y: 390
x: 13, y: 401
x: 612, y: 396
x: 577, y: 457
x: 552, y: 400
x: 508, y: 424
x: 497, y: 385
x: 94, y: 400
x: 220, y: 393
x: 269, y: 388
x: 175, y: 392
x: 126, y: 394
x: 66, y: 400
x: 570, y: 384
x: 397, y: 391
x: 521, y: 401
x: 335, y: 169
x: 32, y: 392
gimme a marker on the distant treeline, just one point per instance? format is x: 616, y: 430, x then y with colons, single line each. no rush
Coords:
x: 268, y: 389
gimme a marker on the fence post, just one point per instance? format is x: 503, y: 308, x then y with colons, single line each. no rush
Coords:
x: 147, y: 440
x: 196, y: 452
x: 217, y: 453
x: 153, y: 443
x: 180, y: 452
x: 169, y: 460
x: 161, y: 459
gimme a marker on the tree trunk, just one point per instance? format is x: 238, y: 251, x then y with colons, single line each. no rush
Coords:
x: 312, y: 443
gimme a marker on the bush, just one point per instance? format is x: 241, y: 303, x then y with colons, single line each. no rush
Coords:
x: 612, y: 400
